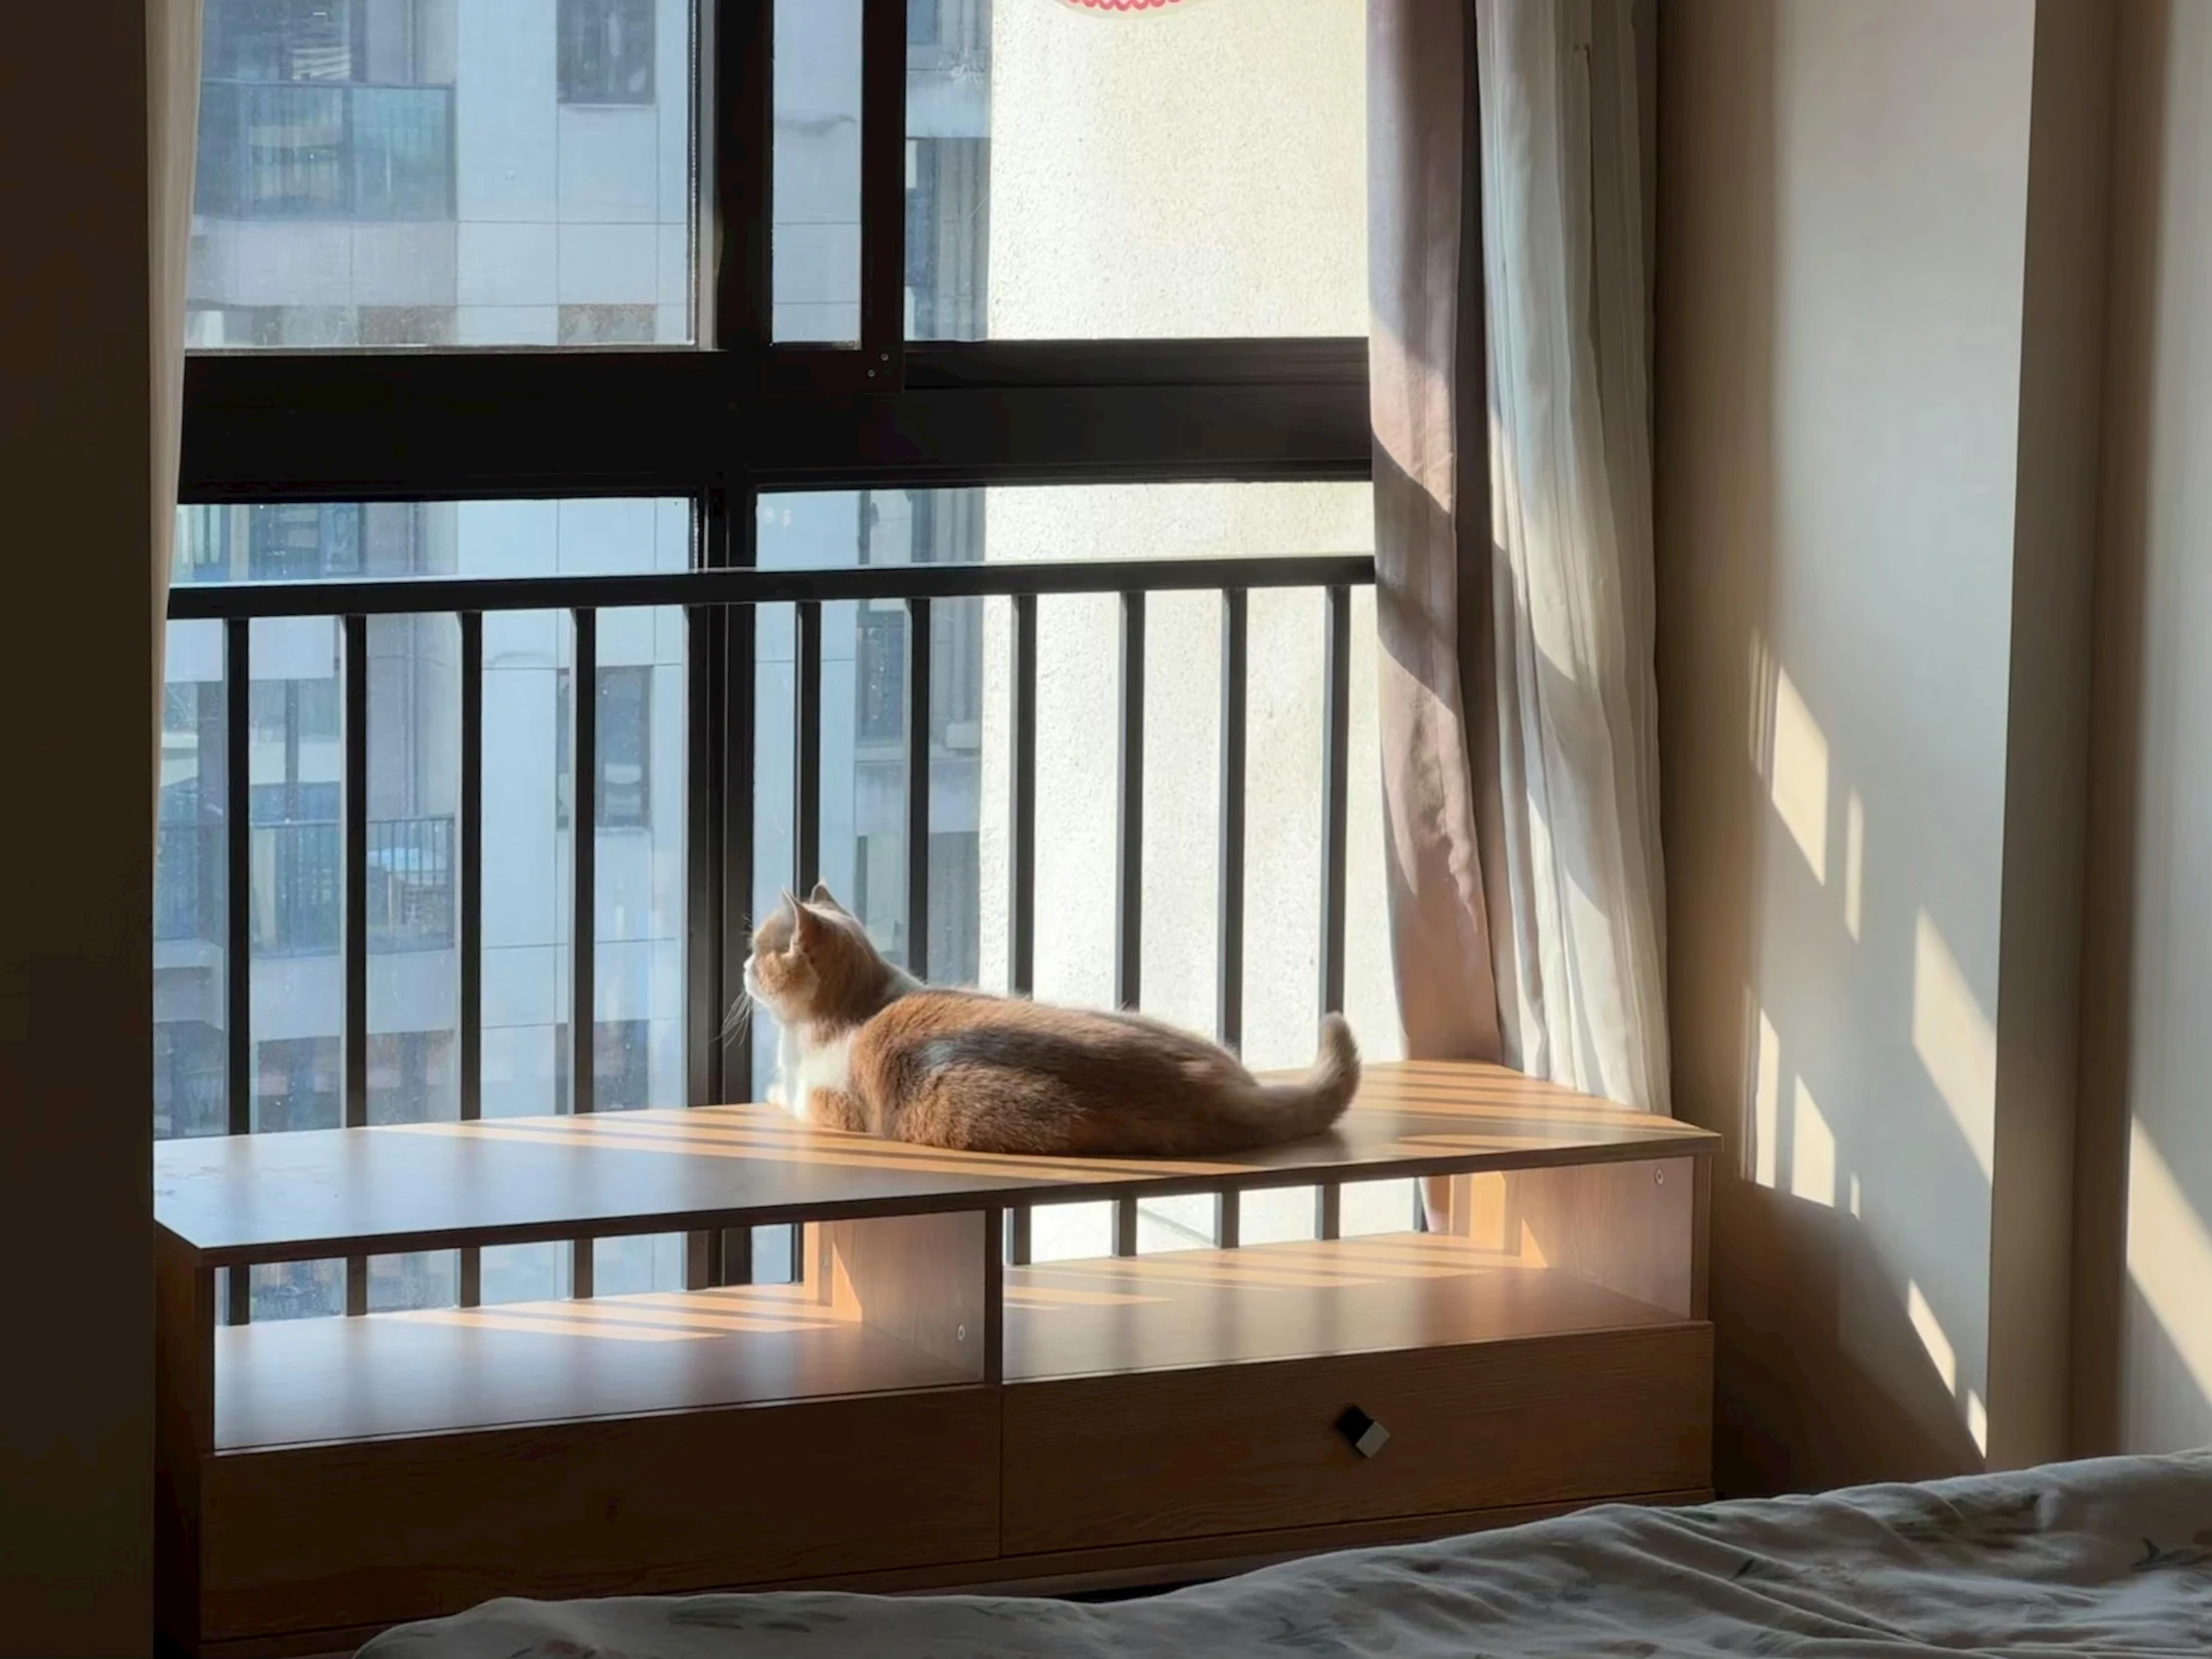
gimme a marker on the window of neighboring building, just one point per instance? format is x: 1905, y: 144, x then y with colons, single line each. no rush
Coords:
x: 623, y: 794
x: 607, y: 324
x: 606, y: 51
x: 621, y: 1067
x: 296, y: 1084
x: 881, y: 650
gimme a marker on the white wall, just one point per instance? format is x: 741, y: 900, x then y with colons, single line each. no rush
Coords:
x: 2145, y: 1194
x: 1856, y: 396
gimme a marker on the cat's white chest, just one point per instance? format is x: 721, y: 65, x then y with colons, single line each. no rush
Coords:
x: 803, y: 1067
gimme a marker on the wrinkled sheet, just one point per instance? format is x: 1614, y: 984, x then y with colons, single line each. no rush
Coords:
x: 2111, y: 1557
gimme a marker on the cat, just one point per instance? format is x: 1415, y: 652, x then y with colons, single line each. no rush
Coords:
x: 866, y: 1047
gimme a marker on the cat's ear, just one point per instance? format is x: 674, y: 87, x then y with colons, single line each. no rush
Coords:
x: 824, y: 897
x: 808, y: 927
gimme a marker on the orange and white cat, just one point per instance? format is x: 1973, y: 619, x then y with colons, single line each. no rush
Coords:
x: 866, y: 1047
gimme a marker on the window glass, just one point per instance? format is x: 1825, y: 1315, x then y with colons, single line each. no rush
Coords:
x: 296, y: 925
x: 606, y: 51
x: 1195, y: 171
x: 866, y: 752
x: 816, y: 238
x: 417, y: 173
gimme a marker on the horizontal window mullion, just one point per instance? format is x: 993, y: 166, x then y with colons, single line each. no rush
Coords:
x: 196, y: 601
x: 359, y: 428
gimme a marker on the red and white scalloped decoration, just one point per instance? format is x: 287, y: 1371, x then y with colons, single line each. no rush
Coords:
x: 1123, y: 8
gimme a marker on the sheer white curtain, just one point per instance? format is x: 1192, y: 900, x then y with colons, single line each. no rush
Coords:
x: 1514, y: 535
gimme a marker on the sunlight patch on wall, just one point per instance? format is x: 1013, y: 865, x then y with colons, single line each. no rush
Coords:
x: 2169, y: 1255
x: 1797, y: 784
x: 1955, y: 1040
x: 1765, y: 1107
x: 1933, y: 1337
x: 1978, y: 1421
x: 1812, y: 1150
x: 1855, y: 864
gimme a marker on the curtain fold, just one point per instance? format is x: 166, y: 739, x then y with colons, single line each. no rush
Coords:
x: 1510, y: 389
x: 172, y: 123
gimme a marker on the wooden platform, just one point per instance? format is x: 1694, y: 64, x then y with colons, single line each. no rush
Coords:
x: 915, y: 1412
x: 337, y: 1192
x: 1290, y: 1302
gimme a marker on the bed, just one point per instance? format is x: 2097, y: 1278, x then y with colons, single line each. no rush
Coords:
x: 2108, y: 1557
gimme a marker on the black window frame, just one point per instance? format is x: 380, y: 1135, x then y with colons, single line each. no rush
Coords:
x: 737, y: 417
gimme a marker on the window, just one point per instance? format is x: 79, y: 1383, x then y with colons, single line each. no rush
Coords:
x: 1203, y: 173
x: 955, y: 334
x: 620, y: 1064
x: 607, y: 324
x: 606, y: 51
x: 624, y: 791
x: 392, y: 174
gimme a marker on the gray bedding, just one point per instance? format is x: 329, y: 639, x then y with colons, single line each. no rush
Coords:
x: 2113, y: 1557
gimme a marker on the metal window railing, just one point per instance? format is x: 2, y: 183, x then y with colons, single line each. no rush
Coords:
x: 423, y: 878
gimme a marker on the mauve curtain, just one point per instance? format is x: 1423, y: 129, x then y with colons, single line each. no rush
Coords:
x: 1512, y: 484
x: 171, y: 120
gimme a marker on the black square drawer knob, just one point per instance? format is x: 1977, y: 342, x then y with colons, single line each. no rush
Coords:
x: 1365, y: 1435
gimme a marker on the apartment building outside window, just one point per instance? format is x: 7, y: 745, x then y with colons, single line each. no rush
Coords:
x: 529, y: 182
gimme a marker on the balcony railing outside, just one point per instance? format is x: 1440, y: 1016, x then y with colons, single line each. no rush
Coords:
x: 395, y: 883
x: 295, y: 149
x: 298, y: 870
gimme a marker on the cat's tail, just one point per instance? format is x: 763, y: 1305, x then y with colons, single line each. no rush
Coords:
x: 1292, y: 1111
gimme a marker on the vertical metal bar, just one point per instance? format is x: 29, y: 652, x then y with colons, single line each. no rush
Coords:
x: 806, y: 694
x: 1022, y: 864
x: 1125, y: 1227
x: 1018, y: 1233
x: 1229, y: 903
x: 1329, y: 1210
x: 238, y: 934
x: 706, y: 1002
x: 583, y: 926
x: 706, y: 990
x: 1129, y: 844
x: 883, y: 193
x: 582, y: 1263
x: 354, y: 775
x: 1335, y: 760
x: 472, y: 934
x: 1229, y: 1217
x: 917, y: 786
x: 741, y: 646
x: 735, y: 1266
x: 583, y: 857
x: 355, y: 784
x: 737, y: 136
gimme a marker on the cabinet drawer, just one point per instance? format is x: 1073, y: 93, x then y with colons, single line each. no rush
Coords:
x: 379, y: 1532
x: 1237, y: 1449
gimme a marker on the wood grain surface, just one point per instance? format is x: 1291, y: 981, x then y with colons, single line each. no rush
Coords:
x: 1157, y: 1456
x: 1289, y: 1301
x: 320, y: 1537
x: 406, y: 1186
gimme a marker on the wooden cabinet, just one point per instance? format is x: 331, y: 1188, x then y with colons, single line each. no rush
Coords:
x: 372, y: 1532
x: 917, y: 1412
x: 1244, y: 1449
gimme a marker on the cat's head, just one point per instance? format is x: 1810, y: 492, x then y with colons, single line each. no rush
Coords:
x: 811, y: 960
